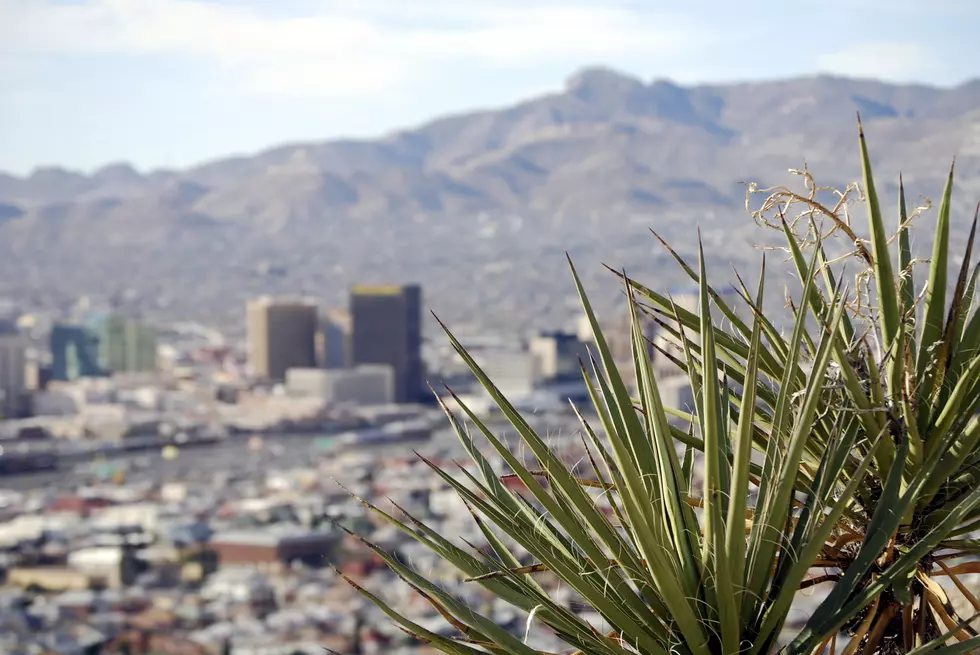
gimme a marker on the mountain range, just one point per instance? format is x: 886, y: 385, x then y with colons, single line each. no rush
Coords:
x: 552, y: 173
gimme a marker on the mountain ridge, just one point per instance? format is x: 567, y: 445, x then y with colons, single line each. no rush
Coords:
x: 467, y: 189
x: 971, y: 86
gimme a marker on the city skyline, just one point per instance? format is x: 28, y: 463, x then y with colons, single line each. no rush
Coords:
x: 303, y: 300
x: 148, y: 83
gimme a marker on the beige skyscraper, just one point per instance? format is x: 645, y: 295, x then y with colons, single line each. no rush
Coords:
x: 281, y: 335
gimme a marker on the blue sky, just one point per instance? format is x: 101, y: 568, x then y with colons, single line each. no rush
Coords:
x: 164, y: 83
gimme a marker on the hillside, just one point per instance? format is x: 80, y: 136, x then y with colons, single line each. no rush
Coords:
x: 517, y: 184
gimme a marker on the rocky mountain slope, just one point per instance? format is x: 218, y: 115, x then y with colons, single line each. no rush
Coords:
x: 553, y: 173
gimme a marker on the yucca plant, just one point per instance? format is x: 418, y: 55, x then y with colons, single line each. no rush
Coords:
x: 855, y: 435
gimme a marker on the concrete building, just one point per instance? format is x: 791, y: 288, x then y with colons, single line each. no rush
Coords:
x: 141, y: 348
x: 281, y: 335
x: 333, y: 339
x: 49, y: 578
x: 387, y: 329
x: 558, y: 355
x: 74, y: 352
x: 37, y: 375
x: 123, y: 345
x: 104, y: 563
x: 514, y: 372
x: 271, y: 546
x: 143, y: 516
x: 368, y: 384
x: 13, y: 368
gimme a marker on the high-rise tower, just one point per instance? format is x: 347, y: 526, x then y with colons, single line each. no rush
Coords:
x: 387, y: 329
x: 281, y: 335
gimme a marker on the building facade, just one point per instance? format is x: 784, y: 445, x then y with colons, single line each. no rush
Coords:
x: 13, y: 367
x: 124, y: 345
x: 559, y: 355
x: 141, y: 348
x: 513, y: 372
x: 271, y: 546
x: 74, y: 352
x: 368, y: 384
x: 281, y: 335
x: 333, y: 351
x: 387, y: 329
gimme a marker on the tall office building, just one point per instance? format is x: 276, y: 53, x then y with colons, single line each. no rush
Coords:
x: 141, y: 347
x: 124, y: 345
x: 281, y: 335
x: 13, y: 367
x: 74, y: 352
x: 387, y: 329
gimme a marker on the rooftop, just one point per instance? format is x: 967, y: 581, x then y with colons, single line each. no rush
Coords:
x: 270, y: 536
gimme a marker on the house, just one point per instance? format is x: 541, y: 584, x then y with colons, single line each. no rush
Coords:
x: 273, y: 545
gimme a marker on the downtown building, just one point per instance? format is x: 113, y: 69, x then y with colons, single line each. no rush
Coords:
x: 74, y: 352
x: 13, y: 368
x: 281, y: 335
x: 121, y: 344
x: 386, y: 328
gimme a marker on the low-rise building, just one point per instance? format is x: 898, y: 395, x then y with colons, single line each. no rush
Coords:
x: 368, y: 384
x: 49, y: 578
x: 558, y: 355
x: 107, y: 564
x: 273, y: 546
x: 514, y: 372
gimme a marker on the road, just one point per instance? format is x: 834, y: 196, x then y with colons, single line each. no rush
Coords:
x: 234, y: 455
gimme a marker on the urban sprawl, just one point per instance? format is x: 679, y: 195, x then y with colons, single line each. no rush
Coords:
x: 163, y: 490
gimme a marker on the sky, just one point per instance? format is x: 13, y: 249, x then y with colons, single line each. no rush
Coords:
x: 170, y: 83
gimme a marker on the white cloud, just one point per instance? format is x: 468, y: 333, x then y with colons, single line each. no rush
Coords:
x: 347, y: 47
x: 893, y: 61
x: 943, y: 8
